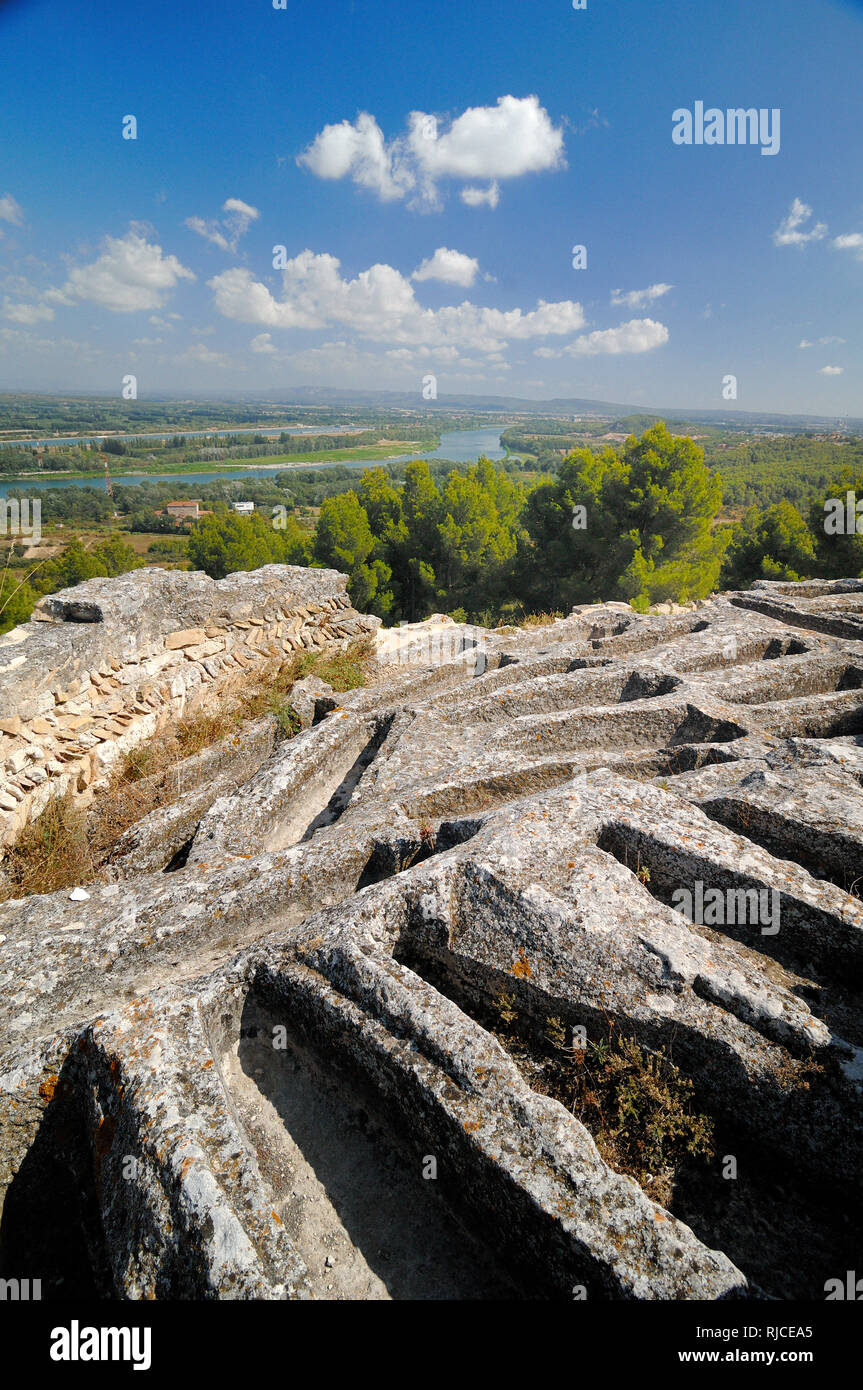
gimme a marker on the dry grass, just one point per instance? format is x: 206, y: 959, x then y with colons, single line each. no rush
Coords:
x: 53, y: 852
x: 343, y: 670
x: 67, y: 845
x: 538, y: 619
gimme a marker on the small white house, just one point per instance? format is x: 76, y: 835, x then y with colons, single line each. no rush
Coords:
x: 245, y: 508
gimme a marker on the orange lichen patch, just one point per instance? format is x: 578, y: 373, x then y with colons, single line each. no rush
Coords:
x: 185, y: 1166
x: 207, y: 1064
x: 470, y: 1125
x: 659, y: 1216
x: 522, y: 969
x: 48, y: 1087
x: 276, y: 1218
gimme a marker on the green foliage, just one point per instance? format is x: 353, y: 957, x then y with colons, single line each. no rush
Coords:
x: 16, y: 600
x: 343, y: 670
x: 483, y: 542
x: 648, y: 1114
x: 647, y: 538
x: 506, y: 1010
x: 771, y: 544
x: 344, y: 541
x: 223, y: 544
x: 792, y: 467
x: 840, y: 556
x: 285, y: 716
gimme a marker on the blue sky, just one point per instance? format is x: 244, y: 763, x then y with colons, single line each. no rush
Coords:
x: 418, y: 245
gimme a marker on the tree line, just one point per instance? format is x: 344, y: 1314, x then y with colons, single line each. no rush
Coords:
x: 638, y: 522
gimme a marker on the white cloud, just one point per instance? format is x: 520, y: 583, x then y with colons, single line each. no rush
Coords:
x: 235, y: 207
x: 479, y: 197
x: 831, y: 371
x: 226, y: 233
x: 512, y: 138
x: 200, y: 355
x: 453, y: 267
x: 130, y: 275
x: 638, y: 335
x: 360, y: 152
x: 10, y: 210
x: 209, y: 231
x: 636, y: 299
x: 26, y: 313
x: 147, y: 342
x: 263, y: 343
x: 789, y: 233
x: 18, y: 284
x: 380, y: 304
x: 821, y: 342
x: 851, y: 241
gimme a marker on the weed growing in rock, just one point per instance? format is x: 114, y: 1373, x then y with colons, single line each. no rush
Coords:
x: 637, y: 1106
x: 635, y: 1103
x: 285, y: 716
x: 343, y: 670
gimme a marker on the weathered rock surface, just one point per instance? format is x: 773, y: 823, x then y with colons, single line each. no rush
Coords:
x: 101, y: 668
x: 270, y: 1072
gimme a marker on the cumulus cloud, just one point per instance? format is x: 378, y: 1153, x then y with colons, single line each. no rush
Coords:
x: 638, y: 335
x: 130, y: 275
x: 636, y: 299
x: 263, y: 343
x: 360, y: 152
x: 851, y: 241
x: 831, y: 371
x: 226, y: 233
x: 10, y: 210
x: 790, y: 233
x: 505, y: 141
x: 380, y: 305
x: 453, y: 267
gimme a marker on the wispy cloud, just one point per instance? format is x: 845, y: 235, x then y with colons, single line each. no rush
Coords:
x: 819, y: 342
x: 851, y: 241
x: 10, y: 210
x: 636, y: 299
x: 227, y: 231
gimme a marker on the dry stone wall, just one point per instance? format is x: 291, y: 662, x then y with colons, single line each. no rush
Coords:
x: 103, y: 667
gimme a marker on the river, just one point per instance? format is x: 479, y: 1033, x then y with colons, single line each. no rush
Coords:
x: 462, y: 446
